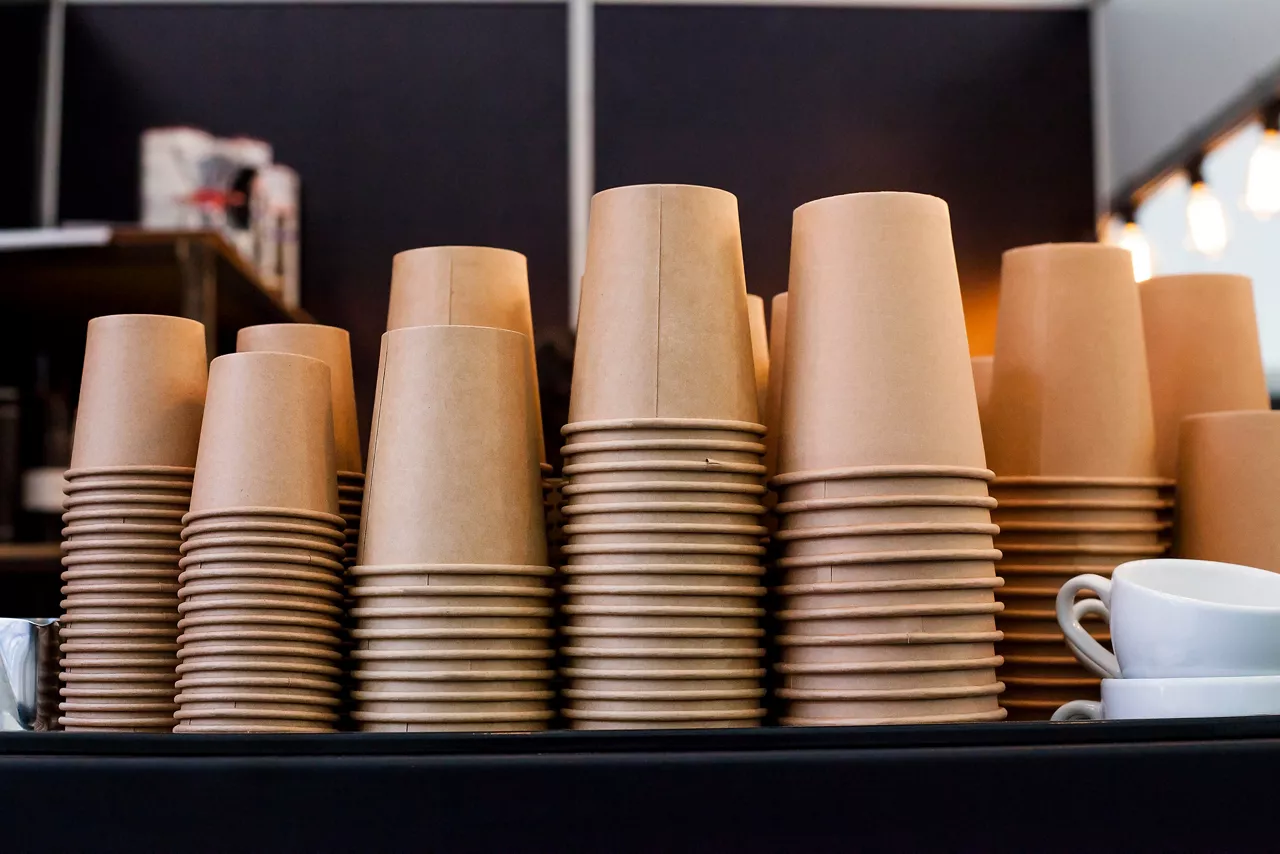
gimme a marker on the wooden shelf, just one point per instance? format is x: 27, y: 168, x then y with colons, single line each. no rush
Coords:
x: 59, y: 276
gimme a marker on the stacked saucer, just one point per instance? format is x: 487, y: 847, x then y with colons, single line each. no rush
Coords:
x: 262, y: 586
x: 1071, y: 437
x: 141, y: 400
x: 453, y: 615
x: 887, y: 610
x: 664, y: 472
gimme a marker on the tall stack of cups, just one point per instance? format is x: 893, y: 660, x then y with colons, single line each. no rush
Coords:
x: 473, y: 286
x: 1071, y: 438
x: 888, y: 570
x: 453, y: 614
x: 664, y: 473
x: 1203, y: 354
x: 262, y: 574
x: 141, y: 400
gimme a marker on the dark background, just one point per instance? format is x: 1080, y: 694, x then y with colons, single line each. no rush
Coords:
x: 414, y: 125
x: 21, y: 48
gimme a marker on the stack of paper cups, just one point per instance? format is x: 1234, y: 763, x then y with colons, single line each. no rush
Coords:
x: 664, y: 473
x: 141, y: 399
x: 262, y: 580
x: 453, y: 615
x: 1071, y: 437
x: 887, y: 606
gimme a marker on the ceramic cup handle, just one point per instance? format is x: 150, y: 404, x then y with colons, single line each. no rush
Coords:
x: 1079, y: 710
x: 1082, y: 644
x: 1082, y: 609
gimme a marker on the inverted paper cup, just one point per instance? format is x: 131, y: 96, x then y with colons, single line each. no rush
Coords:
x: 120, y: 586
x: 910, y: 569
x: 664, y: 289
x: 260, y: 526
x: 452, y: 399
x: 120, y: 530
x: 628, y: 449
x: 639, y: 573
x: 874, y: 310
x: 332, y: 346
x: 1081, y: 511
x: 958, y: 674
x: 267, y: 439
x: 142, y: 392
x: 126, y: 502
x: 112, y: 515
x: 260, y: 574
x: 1063, y: 403
x: 281, y: 515
x: 1228, y: 507
x: 1203, y: 353
x: 261, y: 556
x: 412, y: 576
x: 466, y: 286
x: 759, y: 351
x: 889, y: 704
x: 883, y: 482
x: 251, y: 665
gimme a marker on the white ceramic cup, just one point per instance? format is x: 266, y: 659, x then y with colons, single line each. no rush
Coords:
x: 1180, y: 618
x: 1206, y: 697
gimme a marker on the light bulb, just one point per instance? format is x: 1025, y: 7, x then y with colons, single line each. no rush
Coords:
x: 1206, y: 221
x: 1135, y: 241
x: 1262, y: 190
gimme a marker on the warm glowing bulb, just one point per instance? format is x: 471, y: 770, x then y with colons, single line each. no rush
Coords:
x: 1135, y: 241
x: 1262, y: 190
x: 1206, y: 221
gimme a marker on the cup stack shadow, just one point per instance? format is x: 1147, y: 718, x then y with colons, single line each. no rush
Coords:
x: 1071, y: 437
x: 664, y: 471
x: 141, y: 400
x: 887, y: 606
x: 453, y: 590
x: 262, y: 574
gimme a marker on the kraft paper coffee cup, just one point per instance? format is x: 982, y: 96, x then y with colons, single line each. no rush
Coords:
x: 664, y: 290
x: 267, y: 438
x: 332, y: 346
x: 142, y: 392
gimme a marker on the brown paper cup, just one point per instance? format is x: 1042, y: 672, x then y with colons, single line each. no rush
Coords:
x: 267, y: 439
x: 331, y: 346
x: 220, y: 618
x: 881, y: 264
x: 252, y: 665
x: 261, y: 556
x: 1228, y: 488
x: 466, y: 286
x: 1063, y: 403
x: 118, y: 586
x: 413, y: 576
x: 213, y: 545
x: 663, y: 450
x: 664, y: 289
x: 264, y: 514
x: 142, y: 392
x: 124, y: 516
x: 1202, y: 351
x: 886, y: 510
x: 309, y: 578
x: 259, y: 526
x: 494, y: 514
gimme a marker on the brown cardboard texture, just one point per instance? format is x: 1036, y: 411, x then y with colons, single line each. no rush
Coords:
x: 267, y: 439
x: 466, y: 286
x: 1229, y: 488
x: 759, y: 352
x: 1064, y: 402
x: 662, y: 325
x: 332, y: 346
x: 1202, y: 351
x: 453, y: 470
x: 142, y: 392
x: 877, y: 366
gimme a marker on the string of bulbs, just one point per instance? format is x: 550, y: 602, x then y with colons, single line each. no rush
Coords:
x: 1206, y: 217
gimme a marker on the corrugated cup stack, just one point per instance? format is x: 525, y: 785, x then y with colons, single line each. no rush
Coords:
x: 887, y: 606
x: 453, y: 613
x: 664, y: 473
x: 1071, y: 438
x: 262, y: 574
x: 332, y: 346
x: 141, y: 399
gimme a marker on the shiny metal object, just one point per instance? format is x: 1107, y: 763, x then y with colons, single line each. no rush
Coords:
x: 28, y: 674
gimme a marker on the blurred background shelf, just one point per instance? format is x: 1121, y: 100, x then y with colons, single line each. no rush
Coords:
x: 69, y: 275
